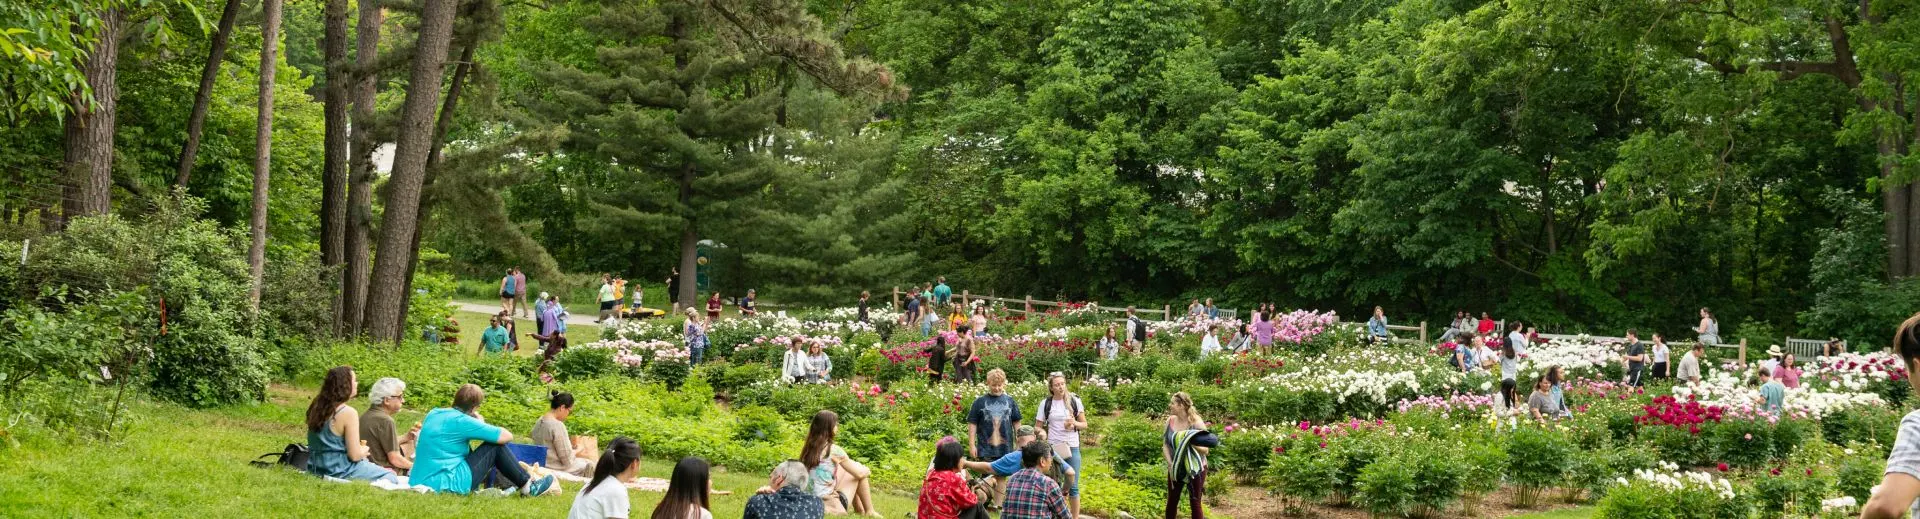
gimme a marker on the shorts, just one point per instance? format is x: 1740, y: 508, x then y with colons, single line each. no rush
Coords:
x: 608, y: 305
x: 506, y: 295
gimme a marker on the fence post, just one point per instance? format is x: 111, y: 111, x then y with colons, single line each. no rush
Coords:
x: 1423, y: 332
x: 1029, y: 305
x: 1166, y: 312
x: 896, y: 296
x: 1743, y: 352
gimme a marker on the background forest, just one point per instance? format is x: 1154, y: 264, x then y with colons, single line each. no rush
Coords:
x: 1583, y: 164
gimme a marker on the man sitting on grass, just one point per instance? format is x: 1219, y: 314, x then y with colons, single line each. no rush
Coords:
x: 445, y: 464
x: 1030, y: 493
x: 384, y: 447
x: 786, y: 496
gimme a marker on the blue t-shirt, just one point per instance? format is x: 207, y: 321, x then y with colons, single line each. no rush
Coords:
x: 440, y: 461
x: 507, y: 285
x: 1012, y: 461
x: 942, y: 293
x: 1776, y: 395
x: 994, y: 410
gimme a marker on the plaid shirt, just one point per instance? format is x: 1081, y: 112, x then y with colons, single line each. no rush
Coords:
x: 1032, y: 495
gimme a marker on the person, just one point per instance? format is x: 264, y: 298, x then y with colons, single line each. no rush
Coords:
x: 1136, y: 331
x: 912, y: 314
x: 1209, y: 343
x: 944, y: 493
x: 786, y: 496
x: 936, y: 358
x: 1377, y: 327
x: 1709, y: 329
x: 1483, y: 356
x: 687, y: 492
x: 979, y: 321
x: 1533, y: 336
x: 1460, y: 323
x: 1485, y: 326
x: 1509, y: 373
x: 493, y: 339
x: 1773, y: 395
x: 957, y: 319
x: 673, y: 289
x: 520, y: 292
x: 1833, y: 347
x: 1516, y: 339
x: 793, y: 363
x: 556, y: 339
x: 862, y: 315
x: 1030, y: 493
x: 1109, y: 346
x: 1787, y: 374
x: 1541, y: 403
x: 1064, y: 416
x: 512, y: 331
x: 926, y: 294
x: 930, y: 316
x: 1773, y: 359
x: 608, y: 297
x: 1660, y: 355
x: 746, y: 305
x: 509, y: 291
x: 992, y: 418
x: 385, y: 448
x: 605, y: 496
x: 966, y: 361
x: 1005, y: 466
x: 1635, y: 358
x: 819, y: 365
x: 1195, y: 309
x: 1557, y: 380
x: 713, y: 305
x: 1240, y: 340
x: 550, y: 431
x: 695, y: 336
x: 1900, y: 484
x: 443, y: 461
x: 542, y: 327
x: 942, y: 293
x: 639, y: 297
x: 1263, y: 331
x: 1184, y: 448
x: 1689, y: 371
x: 841, y: 484
x: 1464, y: 354
x: 1213, y: 312
x: 619, y: 296
x: 333, y: 432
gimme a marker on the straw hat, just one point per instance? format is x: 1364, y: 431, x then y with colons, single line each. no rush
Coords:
x: 1773, y: 351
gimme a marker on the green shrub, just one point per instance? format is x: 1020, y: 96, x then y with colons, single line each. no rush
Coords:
x: 1537, y: 459
x: 1132, y: 441
x: 671, y: 373
x: 869, y: 438
x: 580, y: 363
x: 1865, y: 424
x: 1386, y: 487
x: 755, y: 424
x: 1244, y: 454
x: 1303, y: 473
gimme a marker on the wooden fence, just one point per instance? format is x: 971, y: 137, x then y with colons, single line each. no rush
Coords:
x: 1028, y: 305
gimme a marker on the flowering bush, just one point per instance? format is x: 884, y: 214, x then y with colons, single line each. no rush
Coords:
x: 1663, y: 492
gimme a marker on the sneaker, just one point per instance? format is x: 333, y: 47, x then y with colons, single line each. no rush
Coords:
x: 539, y: 486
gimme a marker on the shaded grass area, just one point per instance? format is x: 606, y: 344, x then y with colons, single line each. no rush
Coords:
x: 176, y: 462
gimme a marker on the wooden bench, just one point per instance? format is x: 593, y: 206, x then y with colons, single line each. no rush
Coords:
x: 1807, y: 348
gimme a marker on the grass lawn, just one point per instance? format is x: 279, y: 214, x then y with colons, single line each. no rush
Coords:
x: 472, y: 323
x: 176, y: 462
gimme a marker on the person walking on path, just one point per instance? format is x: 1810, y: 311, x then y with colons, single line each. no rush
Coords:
x: 609, y: 296
x: 520, y: 297
x: 1184, y: 447
x: 509, y: 290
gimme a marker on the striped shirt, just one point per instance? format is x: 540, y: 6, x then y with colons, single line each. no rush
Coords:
x: 1905, y: 458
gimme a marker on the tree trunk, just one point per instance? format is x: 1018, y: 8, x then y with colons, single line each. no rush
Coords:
x: 689, y: 231
x: 353, y: 290
x: 333, y: 178
x: 1896, y: 201
x: 440, y: 127
x: 89, y: 131
x: 216, y: 53
x: 384, y: 310
x: 263, y: 147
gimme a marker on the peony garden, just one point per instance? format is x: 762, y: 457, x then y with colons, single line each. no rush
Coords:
x: 1325, y: 425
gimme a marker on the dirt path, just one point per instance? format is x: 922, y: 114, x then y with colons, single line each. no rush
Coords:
x: 1255, y: 503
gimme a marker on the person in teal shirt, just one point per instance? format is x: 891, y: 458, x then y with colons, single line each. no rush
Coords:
x: 442, y: 462
x: 1773, y: 394
x: 494, y: 339
x: 942, y: 293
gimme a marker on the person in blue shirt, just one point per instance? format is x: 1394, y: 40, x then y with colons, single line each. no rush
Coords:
x: 494, y: 339
x: 1377, y: 326
x: 1773, y: 394
x: 442, y: 462
x: 941, y: 292
x: 1004, y: 466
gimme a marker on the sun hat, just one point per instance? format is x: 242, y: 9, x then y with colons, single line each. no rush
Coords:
x: 1773, y: 351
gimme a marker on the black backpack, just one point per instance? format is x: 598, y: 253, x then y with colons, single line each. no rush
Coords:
x: 295, y: 456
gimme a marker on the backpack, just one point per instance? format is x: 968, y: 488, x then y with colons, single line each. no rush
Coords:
x: 1046, y: 408
x: 295, y: 457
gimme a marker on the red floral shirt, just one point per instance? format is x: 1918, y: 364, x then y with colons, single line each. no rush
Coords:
x: 943, y: 495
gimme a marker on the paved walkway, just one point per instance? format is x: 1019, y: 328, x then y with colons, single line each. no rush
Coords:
x: 573, y: 316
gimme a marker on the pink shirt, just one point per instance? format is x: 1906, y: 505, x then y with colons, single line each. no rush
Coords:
x: 1788, y: 376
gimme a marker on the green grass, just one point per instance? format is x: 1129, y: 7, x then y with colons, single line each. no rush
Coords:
x: 472, y: 323
x: 175, y: 462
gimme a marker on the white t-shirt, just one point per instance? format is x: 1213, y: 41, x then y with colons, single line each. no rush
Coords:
x: 1519, y: 341
x: 1058, y: 413
x: 608, y: 499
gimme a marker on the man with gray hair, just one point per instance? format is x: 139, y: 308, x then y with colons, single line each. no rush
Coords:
x: 377, y: 430
x: 786, y: 496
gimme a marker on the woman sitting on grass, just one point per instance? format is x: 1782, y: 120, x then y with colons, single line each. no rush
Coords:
x: 605, y: 496
x: 687, y: 493
x: 841, y: 484
x: 550, y: 431
x: 333, y: 432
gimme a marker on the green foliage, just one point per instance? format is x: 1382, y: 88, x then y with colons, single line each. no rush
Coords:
x: 82, y: 343
x: 1132, y: 441
x: 1537, y: 459
x: 754, y: 424
x: 584, y: 363
x: 1854, y: 301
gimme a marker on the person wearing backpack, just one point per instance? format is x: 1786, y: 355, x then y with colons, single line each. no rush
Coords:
x: 1064, y: 417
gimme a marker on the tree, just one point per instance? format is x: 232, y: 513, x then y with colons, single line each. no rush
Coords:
x: 263, y: 147
x: 359, y: 210
x: 89, y: 132
x: 197, y: 120
x: 385, y: 310
x: 44, y: 58
x: 333, y: 189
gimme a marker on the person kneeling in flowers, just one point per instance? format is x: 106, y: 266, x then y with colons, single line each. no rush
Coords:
x: 1900, y: 485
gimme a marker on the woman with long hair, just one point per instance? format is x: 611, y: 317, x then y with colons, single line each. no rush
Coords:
x: 603, y: 499
x: 1708, y: 329
x: 842, y: 484
x: 1509, y: 374
x: 936, y: 359
x: 1186, y: 442
x: 333, y: 432
x: 687, y: 492
x: 1064, y: 416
